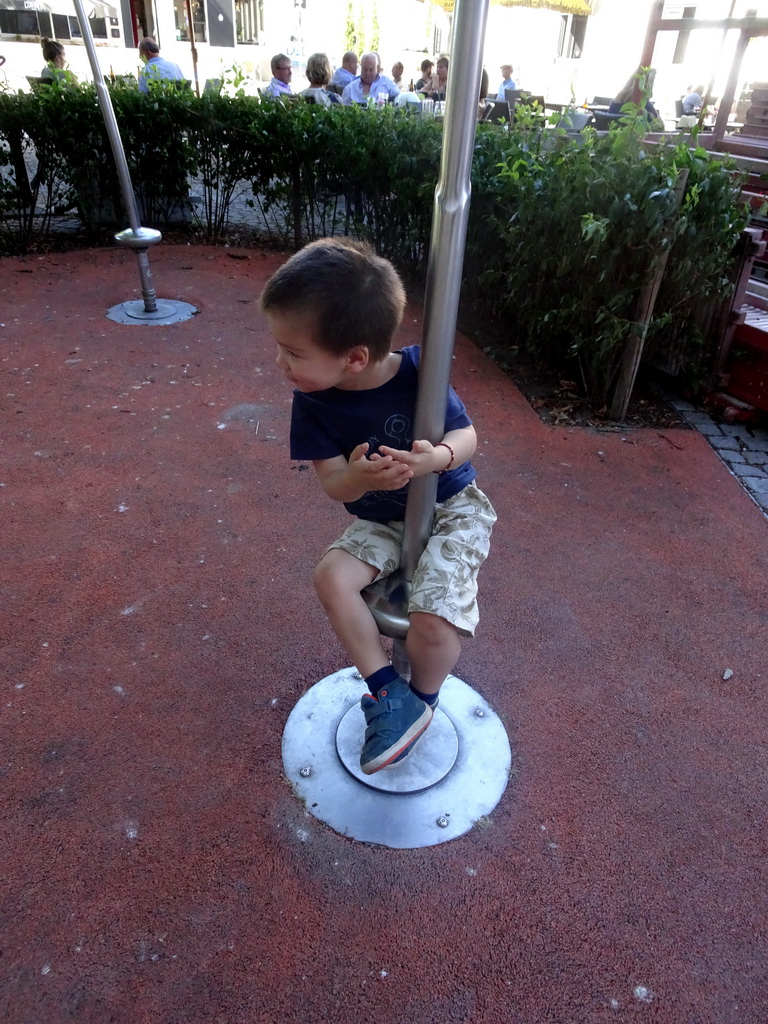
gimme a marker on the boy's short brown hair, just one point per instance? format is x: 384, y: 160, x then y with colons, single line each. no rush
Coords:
x: 348, y: 294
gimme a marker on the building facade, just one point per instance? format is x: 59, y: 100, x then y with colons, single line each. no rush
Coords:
x: 245, y: 33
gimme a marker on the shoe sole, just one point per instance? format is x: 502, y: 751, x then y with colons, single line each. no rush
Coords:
x: 386, y: 759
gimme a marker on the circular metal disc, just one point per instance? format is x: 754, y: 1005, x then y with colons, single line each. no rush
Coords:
x: 141, y: 239
x: 430, y: 761
x: 448, y: 808
x: 169, y: 311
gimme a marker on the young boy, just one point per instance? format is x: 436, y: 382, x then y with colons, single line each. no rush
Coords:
x: 333, y: 309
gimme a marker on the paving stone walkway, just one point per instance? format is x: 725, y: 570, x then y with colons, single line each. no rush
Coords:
x: 743, y: 449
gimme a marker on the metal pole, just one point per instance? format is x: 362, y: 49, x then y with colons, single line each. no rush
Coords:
x: 446, y: 260
x: 388, y: 598
x: 137, y: 237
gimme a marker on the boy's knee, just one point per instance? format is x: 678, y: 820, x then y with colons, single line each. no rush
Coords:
x: 431, y: 629
x: 339, y: 574
x: 323, y: 577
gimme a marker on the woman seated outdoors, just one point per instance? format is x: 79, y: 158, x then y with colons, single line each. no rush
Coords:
x: 644, y: 81
x: 485, y: 106
x: 435, y: 88
x: 55, y: 69
x: 319, y: 75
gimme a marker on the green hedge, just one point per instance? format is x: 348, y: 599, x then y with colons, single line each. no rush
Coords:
x: 565, y: 235
x: 563, y: 231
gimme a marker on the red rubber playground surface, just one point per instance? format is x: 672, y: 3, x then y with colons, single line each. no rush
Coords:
x: 158, y: 624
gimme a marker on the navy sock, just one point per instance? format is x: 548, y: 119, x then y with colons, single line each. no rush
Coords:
x: 428, y: 698
x: 379, y: 679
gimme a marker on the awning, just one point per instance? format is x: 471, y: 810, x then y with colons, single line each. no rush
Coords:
x: 563, y: 6
x: 93, y: 8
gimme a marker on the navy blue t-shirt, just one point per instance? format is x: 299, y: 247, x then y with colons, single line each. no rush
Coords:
x: 325, y: 424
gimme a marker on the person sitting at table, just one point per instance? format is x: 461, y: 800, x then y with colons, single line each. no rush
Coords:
x: 435, y: 89
x: 485, y: 106
x: 624, y: 96
x: 282, y: 72
x: 508, y: 81
x: 55, y: 69
x: 397, y: 75
x: 370, y: 84
x: 426, y: 75
x: 345, y: 74
x: 319, y: 75
x: 694, y: 101
x: 156, y: 68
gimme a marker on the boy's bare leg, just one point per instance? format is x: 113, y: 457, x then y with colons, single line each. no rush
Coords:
x: 433, y: 648
x: 395, y: 716
x: 339, y: 578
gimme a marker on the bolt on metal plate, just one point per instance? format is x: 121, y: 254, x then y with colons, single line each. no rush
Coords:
x: 471, y: 787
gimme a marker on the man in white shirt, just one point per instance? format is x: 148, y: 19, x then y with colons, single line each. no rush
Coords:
x: 694, y: 101
x: 347, y: 72
x: 156, y: 67
x: 281, y: 76
x: 507, y: 83
x: 370, y: 84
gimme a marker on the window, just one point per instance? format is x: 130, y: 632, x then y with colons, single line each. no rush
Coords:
x: 19, y: 23
x: 182, y: 22
x: 573, y: 29
x: 98, y: 27
x: 249, y: 20
x: 61, y: 26
x: 56, y: 26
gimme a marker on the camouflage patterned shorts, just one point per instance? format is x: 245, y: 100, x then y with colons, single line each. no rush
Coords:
x: 445, y: 581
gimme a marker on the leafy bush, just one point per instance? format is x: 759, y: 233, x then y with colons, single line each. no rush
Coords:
x: 34, y: 183
x: 568, y: 233
x: 564, y: 230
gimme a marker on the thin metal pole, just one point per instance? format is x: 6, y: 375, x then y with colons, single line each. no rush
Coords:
x: 140, y: 237
x: 446, y: 260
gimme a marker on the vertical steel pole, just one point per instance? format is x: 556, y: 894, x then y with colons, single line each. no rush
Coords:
x: 441, y: 302
x: 137, y: 238
x: 446, y: 260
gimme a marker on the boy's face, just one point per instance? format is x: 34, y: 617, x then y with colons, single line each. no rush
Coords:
x: 305, y: 364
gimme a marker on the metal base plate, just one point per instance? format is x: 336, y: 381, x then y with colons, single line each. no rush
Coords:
x: 169, y: 311
x: 447, y: 808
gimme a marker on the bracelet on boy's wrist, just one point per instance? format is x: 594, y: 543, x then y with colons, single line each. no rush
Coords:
x: 444, y: 444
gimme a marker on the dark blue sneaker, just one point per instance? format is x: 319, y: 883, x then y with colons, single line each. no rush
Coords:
x: 395, y: 720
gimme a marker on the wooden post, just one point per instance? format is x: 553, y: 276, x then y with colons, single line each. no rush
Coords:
x: 649, y: 44
x: 194, y: 48
x: 726, y: 100
x: 711, y: 84
x: 646, y: 300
